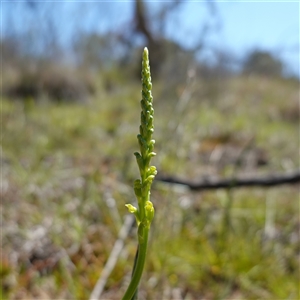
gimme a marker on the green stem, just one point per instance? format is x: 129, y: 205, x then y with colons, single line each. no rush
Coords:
x: 140, y: 262
x: 135, y: 295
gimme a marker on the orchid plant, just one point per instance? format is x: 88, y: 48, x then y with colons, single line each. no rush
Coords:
x: 144, y: 212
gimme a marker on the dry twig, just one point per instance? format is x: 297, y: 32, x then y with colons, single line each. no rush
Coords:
x: 112, y: 260
x: 209, y: 184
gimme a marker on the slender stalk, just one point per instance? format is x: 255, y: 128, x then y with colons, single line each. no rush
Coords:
x: 138, y: 271
x: 135, y: 295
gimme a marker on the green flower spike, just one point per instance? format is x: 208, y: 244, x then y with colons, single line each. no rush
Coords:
x: 145, y: 212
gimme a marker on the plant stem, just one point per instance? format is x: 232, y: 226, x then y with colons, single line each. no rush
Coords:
x: 135, y: 295
x: 140, y: 262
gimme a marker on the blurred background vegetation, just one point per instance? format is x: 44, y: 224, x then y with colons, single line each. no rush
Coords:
x: 70, y: 92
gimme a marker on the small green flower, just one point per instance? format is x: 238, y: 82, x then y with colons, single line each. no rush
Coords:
x: 142, y: 186
x: 131, y: 208
x: 149, y: 211
x: 134, y: 211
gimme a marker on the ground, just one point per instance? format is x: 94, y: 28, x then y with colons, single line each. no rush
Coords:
x: 68, y: 170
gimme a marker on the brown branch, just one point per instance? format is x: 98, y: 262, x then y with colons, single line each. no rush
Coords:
x: 210, y: 184
x: 142, y: 25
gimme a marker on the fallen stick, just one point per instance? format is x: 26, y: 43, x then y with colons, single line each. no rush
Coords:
x: 212, y: 183
x: 112, y: 260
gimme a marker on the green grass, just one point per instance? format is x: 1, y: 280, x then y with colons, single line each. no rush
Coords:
x: 62, y: 165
